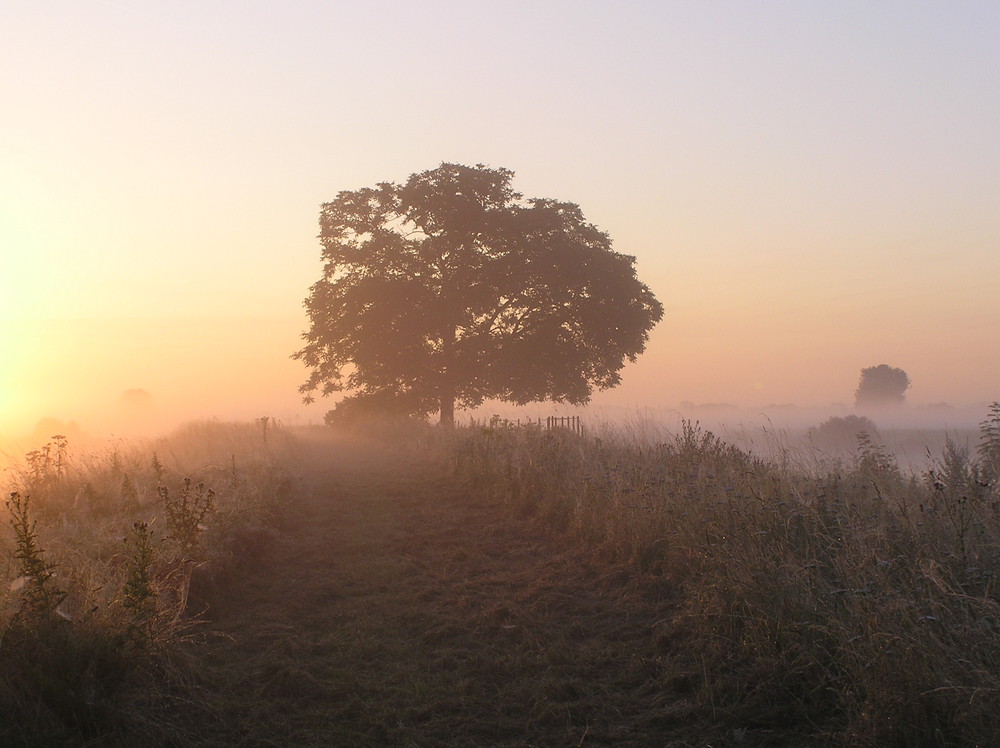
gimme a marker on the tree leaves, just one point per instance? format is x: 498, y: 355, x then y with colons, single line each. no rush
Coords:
x: 454, y: 288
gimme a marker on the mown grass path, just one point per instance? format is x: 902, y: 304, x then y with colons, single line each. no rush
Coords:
x: 396, y: 610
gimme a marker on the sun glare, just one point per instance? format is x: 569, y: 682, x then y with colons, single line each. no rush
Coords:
x: 14, y: 400
x: 8, y: 416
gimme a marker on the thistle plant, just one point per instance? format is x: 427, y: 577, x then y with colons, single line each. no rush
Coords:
x: 138, y: 596
x: 39, y: 594
x: 47, y: 464
x: 186, y: 512
x: 876, y: 462
x: 960, y: 492
x: 158, y: 470
x: 58, y: 445
x: 128, y: 491
x: 989, y: 443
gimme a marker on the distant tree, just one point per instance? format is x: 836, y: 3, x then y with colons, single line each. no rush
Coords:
x: 48, y: 428
x: 881, y: 385
x: 136, y: 400
x: 453, y: 288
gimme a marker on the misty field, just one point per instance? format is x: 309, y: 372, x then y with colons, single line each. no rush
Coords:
x: 247, y: 584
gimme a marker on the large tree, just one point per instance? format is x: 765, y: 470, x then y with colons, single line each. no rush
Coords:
x: 880, y: 386
x: 453, y: 288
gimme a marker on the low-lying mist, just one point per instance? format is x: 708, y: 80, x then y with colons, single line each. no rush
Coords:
x: 807, y: 435
x: 914, y: 434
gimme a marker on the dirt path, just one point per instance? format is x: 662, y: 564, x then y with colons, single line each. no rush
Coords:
x: 396, y: 610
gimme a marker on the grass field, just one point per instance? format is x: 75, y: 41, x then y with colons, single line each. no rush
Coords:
x: 500, y: 586
x: 101, y: 552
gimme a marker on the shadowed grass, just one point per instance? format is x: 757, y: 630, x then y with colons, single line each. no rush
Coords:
x: 858, y: 607
x: 105, y: 561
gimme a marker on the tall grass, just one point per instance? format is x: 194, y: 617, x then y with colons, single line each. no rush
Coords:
x: 851, y: 604
x: 102, y: 551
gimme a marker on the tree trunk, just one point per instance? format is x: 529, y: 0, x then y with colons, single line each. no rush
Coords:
x: 446, y: 391
x: 447, y: 419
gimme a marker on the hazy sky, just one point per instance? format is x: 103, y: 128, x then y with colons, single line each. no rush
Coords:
x: 809, y: 187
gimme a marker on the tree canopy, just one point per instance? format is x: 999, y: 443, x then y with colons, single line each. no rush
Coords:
x: 452, y: 288
x: 881, y: 385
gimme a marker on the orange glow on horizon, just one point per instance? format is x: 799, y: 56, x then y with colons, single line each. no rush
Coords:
x: 808, y: 193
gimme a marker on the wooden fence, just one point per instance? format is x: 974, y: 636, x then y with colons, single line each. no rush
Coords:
x: 571, y: 423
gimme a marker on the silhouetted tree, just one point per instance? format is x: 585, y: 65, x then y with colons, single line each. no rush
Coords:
x: 881, y: 385
x: 452, y: 288
x: 136, y: 401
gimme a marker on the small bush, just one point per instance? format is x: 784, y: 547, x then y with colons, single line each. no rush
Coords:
x: 841, y: 432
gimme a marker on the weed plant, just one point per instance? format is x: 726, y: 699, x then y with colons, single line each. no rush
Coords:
x: 40, y: 597
x: 102, y: 551
x: 852, y: 605
x: 989, y: 444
